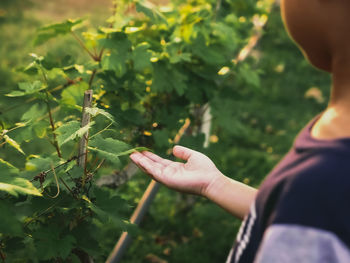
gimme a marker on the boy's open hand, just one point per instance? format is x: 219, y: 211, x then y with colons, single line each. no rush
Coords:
x: 195, y: 176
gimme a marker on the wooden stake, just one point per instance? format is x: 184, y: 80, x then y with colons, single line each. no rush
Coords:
x: 136, y: 218
x: 141, y: 209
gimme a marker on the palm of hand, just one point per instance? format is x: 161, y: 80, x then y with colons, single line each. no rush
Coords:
x: 194, y: 176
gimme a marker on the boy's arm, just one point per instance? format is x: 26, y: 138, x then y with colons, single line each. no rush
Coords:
x: 197, y: 176
x: 231, y: 195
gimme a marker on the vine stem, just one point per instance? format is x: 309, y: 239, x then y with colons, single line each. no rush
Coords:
x: 85, y: 120
x: 57, y: 184
x: 2, y: 255
x: 42, y: 213
x: 69, y: 82
x: 217, y: 8
x: 103, y: 130
x: 55, y: 142
x: 68, y: 188
x: 56, y: 167
x: 52, y: 123
x: 93, y: 56
x: 92, y: 78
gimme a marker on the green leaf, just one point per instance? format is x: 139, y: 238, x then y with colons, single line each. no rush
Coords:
x: 13, y: 143
x: 40, y: 128
x: 176, y: 54
x: 97, y: 111
x: 136, y: 149
x: 117, y: 42
x: 39, y: 164
x: 74, y: 94
x: 141, y: 56
x: 36, y: 111
x: 47, y: 32
x: 10, y: 224
x: 27, y: 88
x: 70, y: 131
x: 193, y: 142
x: 108, y: 206
x: 151, y: 11
x: 85, y: 234
x: 51, y: 244
x: 115, y: 61
x: 7, y: 167
x: 119, y: 53
x: 208, y: 53
x: 15, y: 185
x: 161, y: 138
x: 131, y: 116
x: 168, y: 79
x: 108, y: 148
x: 226, y: 116
x: 12, y: 184
x: 249, y: 75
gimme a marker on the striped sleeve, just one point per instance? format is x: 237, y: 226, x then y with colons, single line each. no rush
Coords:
x: 294, y: 243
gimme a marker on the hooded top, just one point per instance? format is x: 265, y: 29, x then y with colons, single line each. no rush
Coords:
x: 302, y: 210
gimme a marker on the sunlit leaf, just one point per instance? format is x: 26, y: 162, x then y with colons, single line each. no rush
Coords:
x: 36, y: 111
x: 47, y: 32
x: 27, y: 88
x: 151, y: 11
x: 10, y: 183
x: 13, y: 143
x: 6, y: 166
x: 74, y: 94
x: 40, y: 128
x: 37, y: 163
x: 110, y: 149
x: 70, y: 131
x: 97, y: 111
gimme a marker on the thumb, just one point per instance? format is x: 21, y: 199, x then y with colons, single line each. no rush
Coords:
x: 183, y: 152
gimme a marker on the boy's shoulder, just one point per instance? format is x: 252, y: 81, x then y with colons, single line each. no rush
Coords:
x: 316, y: 194
x: 312, y: 162
x: 327, y: 168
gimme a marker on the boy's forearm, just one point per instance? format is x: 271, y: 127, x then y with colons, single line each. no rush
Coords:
x: 233, y: 196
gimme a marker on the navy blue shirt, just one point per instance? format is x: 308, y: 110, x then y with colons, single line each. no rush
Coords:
x: 302, y: 210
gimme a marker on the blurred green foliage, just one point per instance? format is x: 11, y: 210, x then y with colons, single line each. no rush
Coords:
x: 153, y: 68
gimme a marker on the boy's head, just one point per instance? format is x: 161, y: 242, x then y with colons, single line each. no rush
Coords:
x: 321, y: 28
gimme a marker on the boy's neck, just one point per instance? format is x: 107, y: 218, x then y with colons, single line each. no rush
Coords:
x: 335, y: 121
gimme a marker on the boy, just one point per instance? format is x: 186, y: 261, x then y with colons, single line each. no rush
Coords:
x: 301, y: 212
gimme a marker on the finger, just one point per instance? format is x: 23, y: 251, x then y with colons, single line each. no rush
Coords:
x: 183, y: 152
x: 157, y: 158
x: 146, y: 164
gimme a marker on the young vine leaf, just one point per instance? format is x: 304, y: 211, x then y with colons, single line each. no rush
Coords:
x: 70, y: 131
x: 13, y: 143
x: 27, y: 88
x: 151, y: 11
x: 54, y: 30
x: 16, y: 185
x: 97, y: 111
